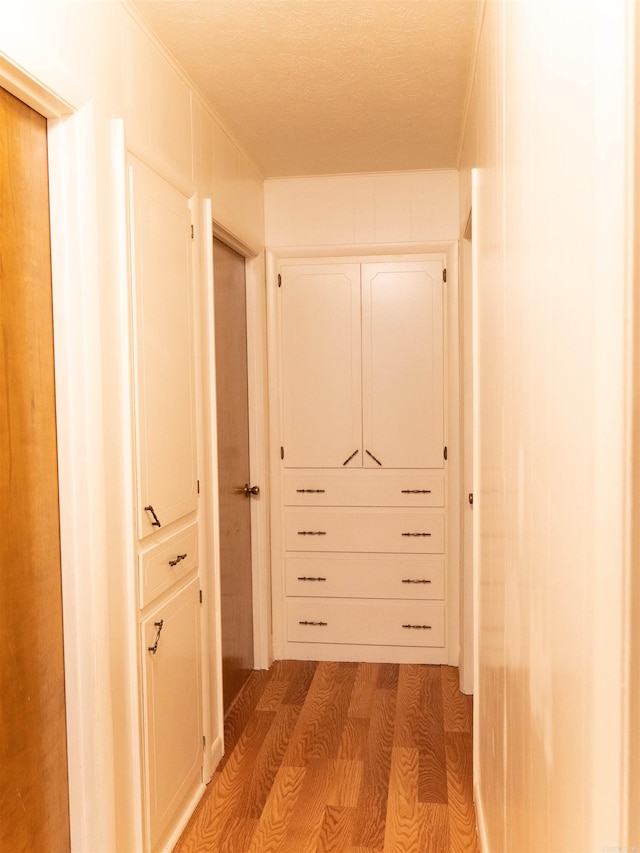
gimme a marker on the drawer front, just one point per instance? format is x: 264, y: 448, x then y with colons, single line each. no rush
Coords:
x: 382, y: 530
x: 363, y: 488
x: 365, y: 622
x: 409, y: 576
x: 167, y: 562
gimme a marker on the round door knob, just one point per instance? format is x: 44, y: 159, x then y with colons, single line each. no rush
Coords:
x: 251, y: 490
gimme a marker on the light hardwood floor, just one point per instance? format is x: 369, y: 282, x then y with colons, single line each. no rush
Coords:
x: 342, y: 758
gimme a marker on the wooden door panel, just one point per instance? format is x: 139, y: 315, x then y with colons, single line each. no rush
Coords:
x: 172, y: 706
x: 233, y: 469
x: 164, y: 349
x: 33, y: 756
x: 403, y: 365
x: 321, y: 373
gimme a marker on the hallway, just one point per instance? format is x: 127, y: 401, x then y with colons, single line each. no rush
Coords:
x: 342, y: 757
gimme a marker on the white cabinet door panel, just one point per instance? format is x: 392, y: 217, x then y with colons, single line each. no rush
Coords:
x: 403, y: 365
x: 172, y: 707
x: 164, y: 349
x: 321, y: 365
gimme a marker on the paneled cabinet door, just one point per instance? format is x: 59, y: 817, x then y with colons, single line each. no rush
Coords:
x: 321, y: 370
x: 163, y: 349
x: 402, y: 365
x: 172, y: 708
x: 363, y: 365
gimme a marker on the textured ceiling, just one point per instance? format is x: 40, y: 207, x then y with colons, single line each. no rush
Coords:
x: 328, y: 86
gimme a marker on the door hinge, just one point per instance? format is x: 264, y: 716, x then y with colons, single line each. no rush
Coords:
x: 200, y: 596
x: 282, y: 453
x: 279, y: 280
x: 198, y: 485
x: 192, y: 232
x: 444, y: 275
x: 445, y: 454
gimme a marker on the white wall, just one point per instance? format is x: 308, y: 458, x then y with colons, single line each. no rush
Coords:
x: 92, y: 62
x: 368, y: 210
x: 548, y: 134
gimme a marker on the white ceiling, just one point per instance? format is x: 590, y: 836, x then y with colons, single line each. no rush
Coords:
x: 328, y: 86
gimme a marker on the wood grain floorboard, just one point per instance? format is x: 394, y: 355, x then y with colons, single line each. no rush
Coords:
x: 369, y: 825
x: 462, y: 826
x: 457, y: 707
x: 272, y: 828
x: 432, y: 781
x: 335, y: 831
x: 342, y: 758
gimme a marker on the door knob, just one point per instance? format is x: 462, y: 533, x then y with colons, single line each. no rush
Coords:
x: 251, y: 490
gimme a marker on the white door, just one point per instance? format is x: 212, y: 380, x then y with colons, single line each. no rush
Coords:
x: 321, y: 366
x: 172, y: 707
x: 403, y: 365
x: 163, y: 351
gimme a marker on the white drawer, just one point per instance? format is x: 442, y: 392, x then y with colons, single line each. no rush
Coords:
x: 167, y: 562
x: 410, y: 576
x: 363, y: 488
x: 386, y: 530
x: 365, y: 622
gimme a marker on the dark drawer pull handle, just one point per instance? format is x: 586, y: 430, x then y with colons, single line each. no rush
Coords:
x: 312, y: 623
x: 154, y: 648
x: 156, y: 520
x: 416, y: 534
x: 311, y: 579
x: 419, y: 627
x: 310, y: 491
x: 312, y: 532
x: 416, y: 580
x: 416, y: 491
x: 177, y: 560
x: 369, y: 453
x: 349, y: 458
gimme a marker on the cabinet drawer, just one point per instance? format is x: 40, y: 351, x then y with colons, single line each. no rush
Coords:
x: 365, y: 622
x: 363, y: 488
x: 168, y: 562
x: 410, y: 576
x: 386, y: 530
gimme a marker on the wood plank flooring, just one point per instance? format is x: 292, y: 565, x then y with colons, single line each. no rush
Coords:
x: 342, y: 758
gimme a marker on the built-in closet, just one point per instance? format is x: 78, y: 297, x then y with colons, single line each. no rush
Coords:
x: 166, y: 500
x: 359, y: 531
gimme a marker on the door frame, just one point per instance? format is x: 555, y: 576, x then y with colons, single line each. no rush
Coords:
x: 65, y: 103
x: 256, y: 314
x: 376, y: 253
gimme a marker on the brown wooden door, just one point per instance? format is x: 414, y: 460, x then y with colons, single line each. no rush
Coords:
x: 33, y: 750
x: 233, y: 469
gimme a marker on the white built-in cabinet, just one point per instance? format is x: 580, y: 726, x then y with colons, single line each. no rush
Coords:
x: 169, y: 599
x: 360, y: 527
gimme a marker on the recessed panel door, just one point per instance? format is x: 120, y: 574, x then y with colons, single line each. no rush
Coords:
x: 34, y: 812
x: 233, y: 469
x: 171, y: 664
x: 403, y: 365
x: 164, y: 350
x: 321, y: 370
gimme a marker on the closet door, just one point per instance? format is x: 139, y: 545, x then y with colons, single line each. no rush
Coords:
x: 321, y: 373
x: 403, y: 365
x: 165, y: 398
x: 172, y: 697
